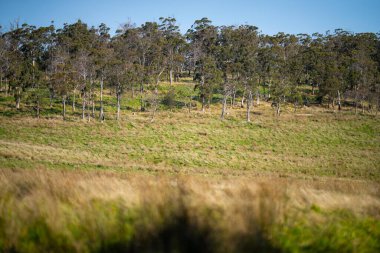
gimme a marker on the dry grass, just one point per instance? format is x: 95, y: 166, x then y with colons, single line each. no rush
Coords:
x: 86, y: 209
x: 325, y: 144
x: 189, y: 182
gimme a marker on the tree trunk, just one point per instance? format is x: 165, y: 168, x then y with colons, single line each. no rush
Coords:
x: 64, y: 108
x: 93, y: 108
x: 224, y: 106
x: 333, y: 103
x: 88, y: 110
x: 118, y: 95
x: 83, y: 106
x: 101, y: 114
x: 38, y: 108
x: 356, y: 99
x: 171, y: 77
x: 141, y: 97
x: 249, y: 102
x: 233, y: 98
x: 339, y: 103
x: 278, y: 108
x: 7, y: 87
x: 203, y: 103
x: 362, y: 104
x: 203, y: 95
x: 18, y: 98
x: 242, y: 99
x: 264, y: 91
x: 75, y: 91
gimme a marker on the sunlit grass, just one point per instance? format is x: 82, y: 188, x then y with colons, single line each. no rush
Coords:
x: 187, y: 181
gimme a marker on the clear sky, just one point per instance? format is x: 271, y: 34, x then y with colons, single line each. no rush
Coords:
x: 271, y: 16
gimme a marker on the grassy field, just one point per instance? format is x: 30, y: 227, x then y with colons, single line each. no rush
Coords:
x: 189, y: 182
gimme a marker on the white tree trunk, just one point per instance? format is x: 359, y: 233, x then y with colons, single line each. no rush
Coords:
x: 101, y: 114
x: 249, y: 102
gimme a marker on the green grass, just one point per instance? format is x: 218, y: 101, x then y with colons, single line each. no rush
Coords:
x: 188, y: 182
x: 321, y: 145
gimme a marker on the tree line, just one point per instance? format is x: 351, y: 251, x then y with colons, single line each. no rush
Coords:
x: 233, y: 61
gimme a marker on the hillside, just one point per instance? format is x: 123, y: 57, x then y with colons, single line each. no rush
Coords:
x: 188, y: 181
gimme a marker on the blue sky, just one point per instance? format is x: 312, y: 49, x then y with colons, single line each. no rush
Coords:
x: 271, y: 16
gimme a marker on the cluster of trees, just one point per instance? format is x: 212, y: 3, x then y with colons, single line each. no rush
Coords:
x: 234, y: 61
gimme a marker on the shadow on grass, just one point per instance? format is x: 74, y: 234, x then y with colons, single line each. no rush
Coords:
x: 138, y: 231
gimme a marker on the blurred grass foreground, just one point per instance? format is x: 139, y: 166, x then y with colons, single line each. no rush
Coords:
x: 82, y: 211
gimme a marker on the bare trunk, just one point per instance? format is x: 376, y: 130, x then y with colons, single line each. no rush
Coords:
x: 18, y: 98
x: 242, y: 100
x: 333, y: 104
x: 249, y: 102
x: 88, y: 110
x: 118, y: 95
x: 101, y: 114
x: 224, y: 106
x: 141, y: 97
x: 171, y: 77
x: 83, y: 106
x: 75, y: 91
x: 203, y: 95
x: 203, y: 103
x: 278, y: 108
x: 339, y: 103
x: 7, y: 87
x: 64, y: 107
x: 233, y: 98
x: 93, y: 108
x: 356, y: 100
x: 190, y: 99
x: 362, y: 104
x: 38, y: 108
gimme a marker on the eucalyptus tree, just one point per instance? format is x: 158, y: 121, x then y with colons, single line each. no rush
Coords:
x: 79, y: 41
x: 248, y: 50
x: 127, y: 45
x: 173, y: 46
x: 283, y: 47
x: 36, y: 52
x: 238, y: 61
x: 264, y: 68
x: 2, y: 60
x: 203, y: 37
x: 18, y: 69
x: 102, y: 55
x: 61, y: 74
x: 364, y: 69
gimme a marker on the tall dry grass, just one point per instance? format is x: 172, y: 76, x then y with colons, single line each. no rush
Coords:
x: 83, y: 211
